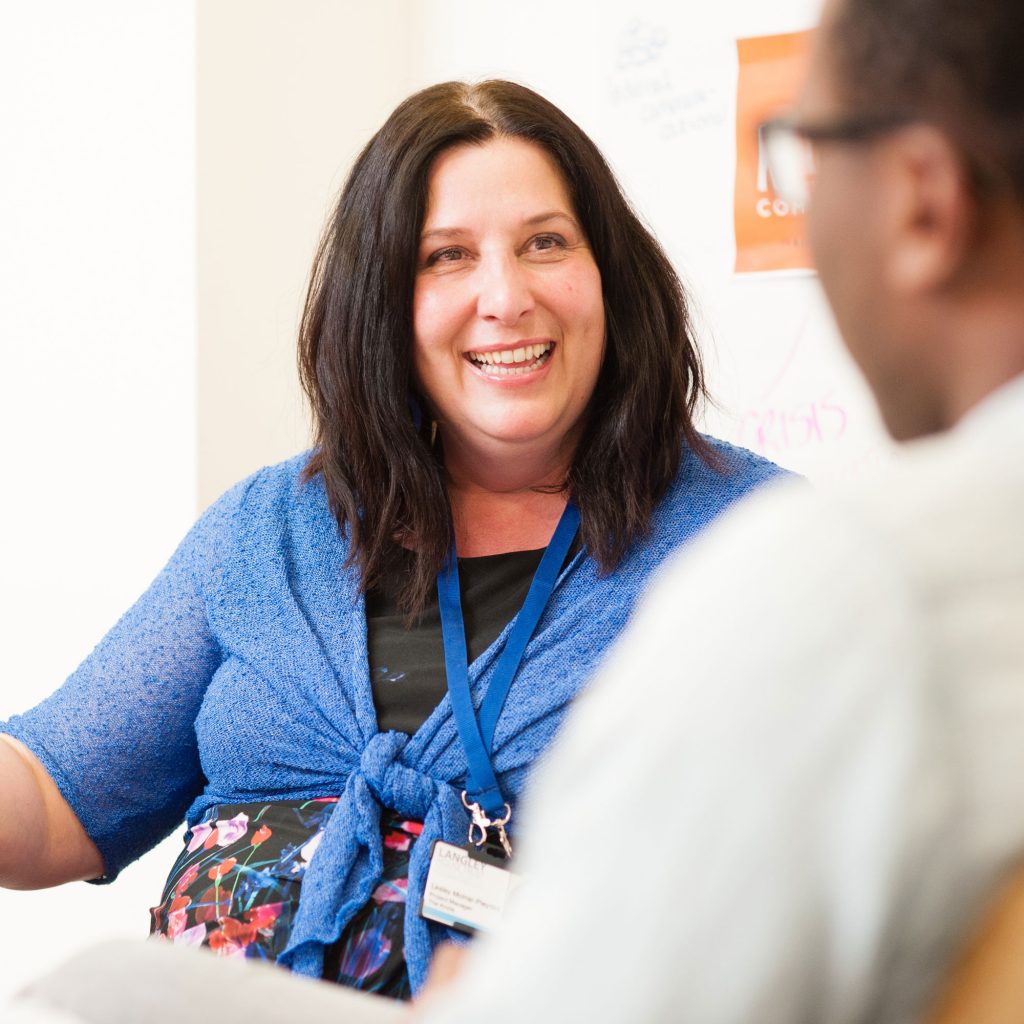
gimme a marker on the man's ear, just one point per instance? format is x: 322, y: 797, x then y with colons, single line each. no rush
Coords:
x: 931, y: 211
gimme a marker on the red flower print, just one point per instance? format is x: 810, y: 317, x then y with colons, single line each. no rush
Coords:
x: 261, y: 835
x: 397, y: 841
x: 213, y: 906
x: 223, y: 946
x: 415, y: 827
x: 176, y: 922
x: 225, y: 867
x: 180, y: 903
x: 265, y: 916
x: 187, y: 879
x: 211, y: 840
x: 238, y: 931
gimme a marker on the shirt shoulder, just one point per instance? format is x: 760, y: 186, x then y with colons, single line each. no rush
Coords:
x: 789, y: 585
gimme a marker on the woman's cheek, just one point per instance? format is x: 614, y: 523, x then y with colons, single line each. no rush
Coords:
x: 437, y: 311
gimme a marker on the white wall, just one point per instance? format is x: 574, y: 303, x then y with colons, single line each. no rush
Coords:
x: 289, y: 94
x: 97, y: 370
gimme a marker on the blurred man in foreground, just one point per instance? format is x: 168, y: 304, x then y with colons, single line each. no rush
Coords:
x: 817, y: 717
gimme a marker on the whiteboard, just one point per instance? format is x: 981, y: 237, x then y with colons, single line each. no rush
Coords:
x: 654, y: 84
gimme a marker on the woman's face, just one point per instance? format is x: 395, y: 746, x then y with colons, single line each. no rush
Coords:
x: 508, y: 314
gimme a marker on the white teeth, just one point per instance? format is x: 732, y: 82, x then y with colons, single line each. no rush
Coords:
x: 512, y: 362
x: 508, y: 356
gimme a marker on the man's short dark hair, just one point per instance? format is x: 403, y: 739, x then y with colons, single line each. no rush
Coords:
x: 959, y: 63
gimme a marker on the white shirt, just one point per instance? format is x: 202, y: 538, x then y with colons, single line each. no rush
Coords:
x: 800, y: 772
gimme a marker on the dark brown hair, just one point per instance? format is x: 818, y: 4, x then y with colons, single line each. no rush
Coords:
x: 382, y: 477
x: 959, y: 63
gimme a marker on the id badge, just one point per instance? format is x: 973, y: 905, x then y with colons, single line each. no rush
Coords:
x: 467, y: 889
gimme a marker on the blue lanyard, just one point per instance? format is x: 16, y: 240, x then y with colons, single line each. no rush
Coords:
x: 478, y: 735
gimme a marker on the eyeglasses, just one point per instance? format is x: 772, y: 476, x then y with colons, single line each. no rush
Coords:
x: 787, y: 148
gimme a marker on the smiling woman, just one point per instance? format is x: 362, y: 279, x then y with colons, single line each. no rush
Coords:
x: 494, y: 222
x: 508, y: 323
x: 364, y: 650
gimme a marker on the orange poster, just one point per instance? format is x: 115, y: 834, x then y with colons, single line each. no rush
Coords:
x: 769, y: 231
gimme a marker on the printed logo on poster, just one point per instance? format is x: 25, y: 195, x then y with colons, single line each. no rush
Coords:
x: 769, y: 231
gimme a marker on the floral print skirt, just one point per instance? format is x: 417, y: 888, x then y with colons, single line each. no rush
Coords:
x: 236, y: 889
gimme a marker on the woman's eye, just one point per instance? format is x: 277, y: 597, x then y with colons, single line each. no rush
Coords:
x: 450, y: 255
x: 547, y: 243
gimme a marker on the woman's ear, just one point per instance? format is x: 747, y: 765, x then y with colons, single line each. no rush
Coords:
x: 932, y: 211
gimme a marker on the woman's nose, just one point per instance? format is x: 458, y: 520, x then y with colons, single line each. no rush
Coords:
x: 505, y: 293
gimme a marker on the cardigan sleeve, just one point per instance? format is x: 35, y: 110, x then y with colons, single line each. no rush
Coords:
x: 118, y: 737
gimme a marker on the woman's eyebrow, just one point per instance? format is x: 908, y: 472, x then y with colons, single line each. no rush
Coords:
x: 540, y: 218
x: 443, y: 233
x: 533, y: 221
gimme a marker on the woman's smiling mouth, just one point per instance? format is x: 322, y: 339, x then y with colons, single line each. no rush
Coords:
x: 512, y: 362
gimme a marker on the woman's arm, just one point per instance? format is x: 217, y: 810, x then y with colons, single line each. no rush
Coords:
x: 42, y: 842
x: 106, y: 766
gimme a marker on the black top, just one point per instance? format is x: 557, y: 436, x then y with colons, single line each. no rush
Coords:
x: 407, y: 665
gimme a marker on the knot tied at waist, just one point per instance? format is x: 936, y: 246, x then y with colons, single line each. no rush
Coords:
x: 347, y: 865
x: 394, y: 784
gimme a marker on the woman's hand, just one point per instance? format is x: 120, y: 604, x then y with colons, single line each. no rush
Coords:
x: 42, y: 842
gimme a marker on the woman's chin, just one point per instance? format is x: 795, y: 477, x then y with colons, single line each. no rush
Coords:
x: 516, y: 437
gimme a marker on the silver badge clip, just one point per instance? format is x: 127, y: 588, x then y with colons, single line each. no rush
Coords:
x: 480, y: 823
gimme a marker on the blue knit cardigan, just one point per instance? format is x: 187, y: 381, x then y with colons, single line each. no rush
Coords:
x: 241, y: 675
